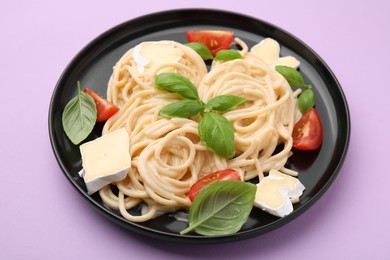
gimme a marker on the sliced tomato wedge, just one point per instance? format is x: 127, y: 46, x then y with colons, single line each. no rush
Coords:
x: 104, y: 108
x: 227, y: 174
x: 307, y: 132
x: 213, y: 39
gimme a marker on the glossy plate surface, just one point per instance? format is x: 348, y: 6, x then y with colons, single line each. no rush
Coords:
x: 93, y: 67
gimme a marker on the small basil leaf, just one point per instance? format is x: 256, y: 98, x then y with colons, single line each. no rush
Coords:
x: 201, y: 49
x: 224, y: 102
x: 226, y: 55
x: 306, y: 100
x: 221, y: 208
x: 183, y: 108
x: 177, y: 83
x: 216, y: 132
x: 79, y: 116
x: 293, y: 77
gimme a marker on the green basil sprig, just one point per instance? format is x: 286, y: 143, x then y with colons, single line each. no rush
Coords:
x: 223, y: 102
x: 201, y: 49
x: 293, y: 77
x: 217, y: 134
x: 79, y: 116
x: 184, y: 108
x: 205, y: 54
x: 215, y: 131
x: 221, y: 208
x: 306, y: 99
x: 176, y: 83
x: 225, y: 55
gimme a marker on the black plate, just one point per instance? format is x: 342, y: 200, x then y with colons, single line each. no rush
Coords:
x: 93, y: 67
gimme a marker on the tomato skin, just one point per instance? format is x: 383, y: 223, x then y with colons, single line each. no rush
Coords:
x: 307, y: 132
x: 213, y: 39
x: 104, y: 108
x: 227, y: 174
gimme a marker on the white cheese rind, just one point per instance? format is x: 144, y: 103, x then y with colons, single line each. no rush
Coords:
x: 93, y: 185
x: 276, y: 192
x: 105, y: 160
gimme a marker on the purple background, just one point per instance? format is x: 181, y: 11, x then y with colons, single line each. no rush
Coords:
x: 43, y: 216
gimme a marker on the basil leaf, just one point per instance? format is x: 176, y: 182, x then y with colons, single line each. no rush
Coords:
x: 79, y: 116
x: 306, y: 100
x: 176, y: 83
x: 216, y: 132
x: 226, y: 55
x: 183, y: 108
x: 201, y: 49
x: 224, y: 102
x: 221, y: 208
x: 293, y: 77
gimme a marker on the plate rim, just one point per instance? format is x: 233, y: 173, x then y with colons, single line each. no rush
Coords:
x: 195, y: 238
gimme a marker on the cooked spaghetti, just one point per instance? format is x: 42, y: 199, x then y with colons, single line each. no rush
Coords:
x: 167, y: 155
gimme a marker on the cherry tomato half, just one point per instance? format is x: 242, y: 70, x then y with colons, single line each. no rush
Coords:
x: 307, y: 132
x: 104, y: 108
x: 213, y: 39
x: 227, y: 174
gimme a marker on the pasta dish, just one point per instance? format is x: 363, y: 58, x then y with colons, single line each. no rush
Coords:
x: 167, y: 154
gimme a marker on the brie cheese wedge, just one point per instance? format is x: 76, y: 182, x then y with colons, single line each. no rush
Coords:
x: 105, y: 160
x: 150, y: 56
x: 269, y: 51
x: 277, y: 192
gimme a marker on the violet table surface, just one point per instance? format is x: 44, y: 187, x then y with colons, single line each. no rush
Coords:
x: 44, y: 217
